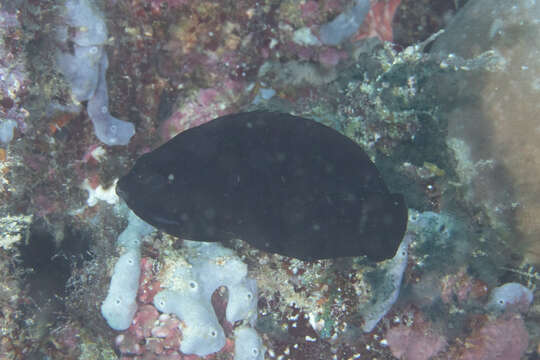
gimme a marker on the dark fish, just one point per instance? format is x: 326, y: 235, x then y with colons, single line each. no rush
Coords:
x: 284, y: 184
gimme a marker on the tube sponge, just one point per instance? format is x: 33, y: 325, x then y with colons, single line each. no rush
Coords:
x: 242, y: 302
x: 120, y: 306
x: 190, y: 280
x: 248, y: 344
x: 201, y: 332
x: 86, y: 66
x: 345, y: 24
x: 107, y: 128
x: 388, y: 291
x: 131, y: 237
x: 81, y: 69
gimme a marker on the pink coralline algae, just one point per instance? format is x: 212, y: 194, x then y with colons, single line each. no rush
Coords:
x: 501, y: 339
x: 206, y: 105
x: 415, y: 342
x: 148, y: 286
x: 378, y: 22
x: 144, y: 321
x: 462, y: 288
x: 310, y: 12
x: 151, y: 336
x: 331, y: 57
x: 159, y: 333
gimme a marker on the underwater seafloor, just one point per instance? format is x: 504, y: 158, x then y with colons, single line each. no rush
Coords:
x: 449, y: 118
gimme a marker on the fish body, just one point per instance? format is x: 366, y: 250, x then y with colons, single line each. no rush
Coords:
x: 283, y: 183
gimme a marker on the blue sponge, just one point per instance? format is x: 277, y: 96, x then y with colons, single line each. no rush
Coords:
x: 108, y: 129
x: 86, y: 67
x: 345, y: 24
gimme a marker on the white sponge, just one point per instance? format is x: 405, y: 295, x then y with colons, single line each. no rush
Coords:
x: 511, y: 296
x: 119, y: 306
x: 190, y: 282
x: 242, y: 303
x: 201, y: 332
x: 248, y: 345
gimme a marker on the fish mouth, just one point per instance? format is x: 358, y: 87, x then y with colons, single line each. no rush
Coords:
x: 120, y: 192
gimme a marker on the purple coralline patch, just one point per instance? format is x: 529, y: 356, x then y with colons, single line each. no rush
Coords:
x: 414, y: 343
x: 501, y: 339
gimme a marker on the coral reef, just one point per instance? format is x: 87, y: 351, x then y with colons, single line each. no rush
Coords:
x: 447, y: 119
